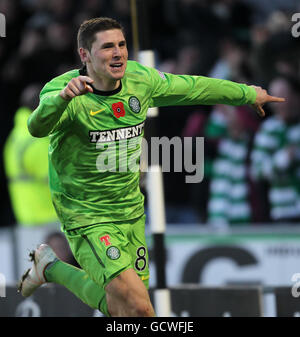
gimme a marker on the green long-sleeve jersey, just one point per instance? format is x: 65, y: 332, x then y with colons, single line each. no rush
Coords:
x: 88, y: 180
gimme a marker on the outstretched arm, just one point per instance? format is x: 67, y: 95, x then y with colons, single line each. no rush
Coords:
x: 172, y: 89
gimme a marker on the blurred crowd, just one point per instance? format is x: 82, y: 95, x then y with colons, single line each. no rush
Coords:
x: 252, y: 172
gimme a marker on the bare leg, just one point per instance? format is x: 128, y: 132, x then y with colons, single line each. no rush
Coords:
x: 127, y: 296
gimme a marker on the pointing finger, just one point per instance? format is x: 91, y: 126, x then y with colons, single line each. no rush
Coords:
x: 85, y: 79
x: 275, y: 99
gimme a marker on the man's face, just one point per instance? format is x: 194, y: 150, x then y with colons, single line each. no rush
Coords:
x: 108, y: 55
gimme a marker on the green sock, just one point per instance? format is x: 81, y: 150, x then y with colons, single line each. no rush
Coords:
x: 79, y: 283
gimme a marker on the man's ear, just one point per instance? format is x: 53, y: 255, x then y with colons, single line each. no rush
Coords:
x: 84, y: 55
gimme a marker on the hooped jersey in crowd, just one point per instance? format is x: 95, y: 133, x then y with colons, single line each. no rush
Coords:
x: 95, y: 139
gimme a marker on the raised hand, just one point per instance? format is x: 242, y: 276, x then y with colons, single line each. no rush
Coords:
x: 263, y: 97
x: 76, y: 87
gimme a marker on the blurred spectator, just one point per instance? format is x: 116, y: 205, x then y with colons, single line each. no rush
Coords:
x: 212, y: 126
x: 61, y: 10
x: 120, y: 10
x: 26, y: 166
x: 171, y: 122
x: 51, y: 47
x: 274, y: 49
x: 89, y: 9
x: 229, y: 193
x: 276, y: 154
x: 39, y: 14
x: 233, y: 62
x: 187, y: 61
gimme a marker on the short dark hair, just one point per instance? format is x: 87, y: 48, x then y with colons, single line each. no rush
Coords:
x: 88, y: 29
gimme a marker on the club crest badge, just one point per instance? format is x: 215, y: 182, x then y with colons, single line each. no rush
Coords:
x: 113, y: 253
x: 134, y: 104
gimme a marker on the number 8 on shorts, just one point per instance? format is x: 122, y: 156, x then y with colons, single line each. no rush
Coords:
x: 140, y: 262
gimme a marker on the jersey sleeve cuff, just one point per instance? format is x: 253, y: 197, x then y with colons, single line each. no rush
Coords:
x: 251, y: 95
x: 59, y: 101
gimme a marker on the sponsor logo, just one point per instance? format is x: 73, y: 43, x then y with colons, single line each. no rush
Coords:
x: 93, y: 113
x: 134, y: 104
x: 116, y: 134
x: 113, y: 253
x: 105, y: 239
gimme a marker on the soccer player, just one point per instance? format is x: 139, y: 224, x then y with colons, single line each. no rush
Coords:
x: 89, y: 114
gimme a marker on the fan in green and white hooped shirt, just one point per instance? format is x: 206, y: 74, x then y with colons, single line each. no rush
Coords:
x: 229, y: 189
x: 276, y: 153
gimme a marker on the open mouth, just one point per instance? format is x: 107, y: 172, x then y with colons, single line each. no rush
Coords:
x: 116, y: 65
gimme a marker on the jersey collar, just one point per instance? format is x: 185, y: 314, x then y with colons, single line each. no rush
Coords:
x: 83, y: 72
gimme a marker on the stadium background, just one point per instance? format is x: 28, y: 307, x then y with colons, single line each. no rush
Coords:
x: 188, y: 37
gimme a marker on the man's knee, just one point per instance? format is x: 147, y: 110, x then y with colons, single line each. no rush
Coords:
x: 130, y: 307
x: 127, y: 295
x: 143, y: 309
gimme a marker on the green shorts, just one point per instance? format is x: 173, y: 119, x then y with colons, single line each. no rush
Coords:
x: 107, y: 249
